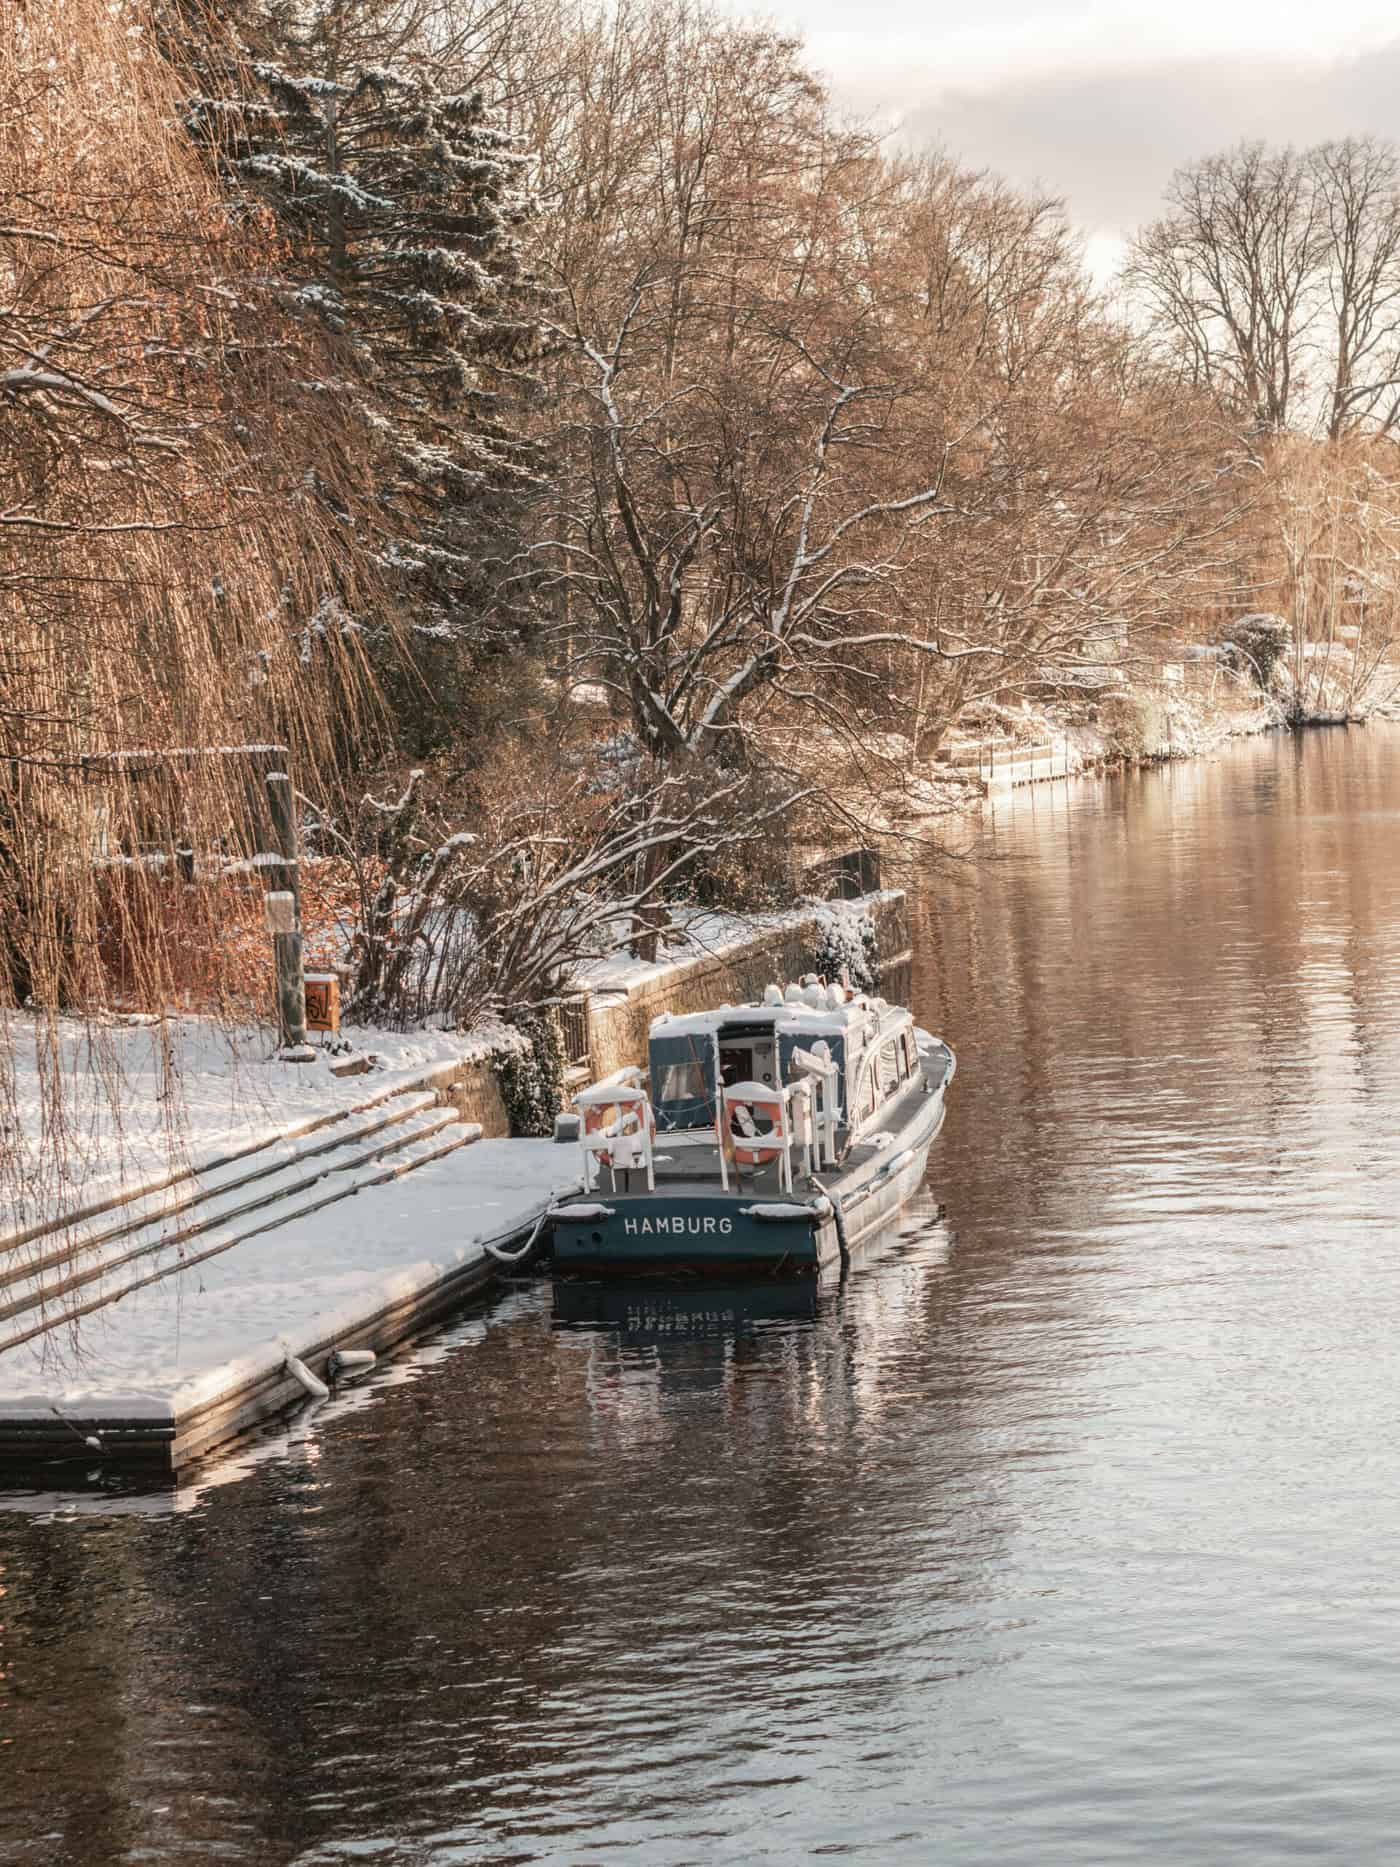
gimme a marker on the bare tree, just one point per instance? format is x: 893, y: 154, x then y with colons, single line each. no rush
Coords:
x: 559, y: 868
x: 1358, y: 186
x: 1330, y: 564
x: 1275, y: 281
x: 1233, y: 276
x: 891, y: 456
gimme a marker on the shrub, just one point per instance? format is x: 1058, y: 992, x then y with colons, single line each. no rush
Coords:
x: 531, y: 1075
x: 1123, y: 722
x: 1255, y: 644
x: 847, y: 942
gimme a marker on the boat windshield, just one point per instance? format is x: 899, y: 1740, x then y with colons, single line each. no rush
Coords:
x: 683, y: 1082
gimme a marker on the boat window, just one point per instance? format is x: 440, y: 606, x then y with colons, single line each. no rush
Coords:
x: 683, y: 1082
x: 870, y: 1095
x: 906, y: 1053
x: 889, y: 1067
x: 745, y: 1063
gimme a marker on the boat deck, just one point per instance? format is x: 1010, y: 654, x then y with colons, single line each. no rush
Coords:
x: 686, y: 1162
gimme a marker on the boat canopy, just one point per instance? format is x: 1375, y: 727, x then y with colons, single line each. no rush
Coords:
x: 683, y: 1081
x: 753, y: 1043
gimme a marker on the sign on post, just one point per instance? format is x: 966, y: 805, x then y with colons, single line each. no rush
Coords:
x: 280, y: 911
x: 322, y: 1001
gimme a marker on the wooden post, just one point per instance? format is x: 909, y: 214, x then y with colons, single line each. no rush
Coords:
x: 285, y: 877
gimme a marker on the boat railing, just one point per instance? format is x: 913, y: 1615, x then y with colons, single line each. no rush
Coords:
x: 760, y: 1125
x: 618, y: 1128
x: 817, y: 1069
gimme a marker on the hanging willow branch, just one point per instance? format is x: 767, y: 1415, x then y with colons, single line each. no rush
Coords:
x: 171, y: 574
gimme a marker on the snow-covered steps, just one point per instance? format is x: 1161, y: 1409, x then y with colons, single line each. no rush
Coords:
x: 237, y: 1105
x: 213, y: 1215
x: 174, y: 1358
x: 140, y: 1210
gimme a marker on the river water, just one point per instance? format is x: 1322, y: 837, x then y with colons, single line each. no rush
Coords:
x: 1064, y: 1532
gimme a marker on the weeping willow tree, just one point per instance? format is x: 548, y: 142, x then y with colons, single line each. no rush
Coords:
x: 178, y: 515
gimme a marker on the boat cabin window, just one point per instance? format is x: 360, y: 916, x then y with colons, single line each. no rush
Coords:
x: 889, y: 1067
x: 683, y: 1082
x: 906, y: 1053
x: 869, y: 1093
x: 751, y: 1061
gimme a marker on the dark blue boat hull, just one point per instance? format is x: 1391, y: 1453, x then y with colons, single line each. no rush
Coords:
x: 710, y: 1232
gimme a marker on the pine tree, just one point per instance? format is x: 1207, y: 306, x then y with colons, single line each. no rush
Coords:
x: 402, y: 207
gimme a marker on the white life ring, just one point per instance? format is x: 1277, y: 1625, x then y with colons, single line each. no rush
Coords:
x: 748, y: 1150
x: 609, y: 1118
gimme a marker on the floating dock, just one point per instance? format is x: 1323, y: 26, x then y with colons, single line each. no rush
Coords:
x: 190, y: 1353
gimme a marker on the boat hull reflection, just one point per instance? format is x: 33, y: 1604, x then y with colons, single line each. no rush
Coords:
x: 647, y: 1310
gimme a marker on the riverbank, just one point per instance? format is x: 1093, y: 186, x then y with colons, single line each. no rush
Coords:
x: 1141, y: 714
x: 1146, y: 721
x: 314, y: 1135
x: 158, y: 1296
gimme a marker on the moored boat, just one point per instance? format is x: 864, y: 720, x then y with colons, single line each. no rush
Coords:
x: 770, y: 1136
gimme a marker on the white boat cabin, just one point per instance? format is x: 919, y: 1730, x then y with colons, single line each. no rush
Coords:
x: 870, y: 1042
x: 809, y: 1070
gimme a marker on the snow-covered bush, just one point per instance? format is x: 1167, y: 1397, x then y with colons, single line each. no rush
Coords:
x: 847, y: 944
x: 1255, y: 644
x: 1123, y: 723
x: 531, y: 1075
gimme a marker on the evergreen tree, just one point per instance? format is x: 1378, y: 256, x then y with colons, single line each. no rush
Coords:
x: 402, y: 207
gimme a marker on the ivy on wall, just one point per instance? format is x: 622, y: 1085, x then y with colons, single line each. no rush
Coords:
x: 531, y: 1076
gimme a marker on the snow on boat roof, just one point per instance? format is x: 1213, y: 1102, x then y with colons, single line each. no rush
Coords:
x: 789, y: 1018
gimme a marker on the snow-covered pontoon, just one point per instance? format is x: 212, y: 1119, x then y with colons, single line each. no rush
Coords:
x: 778, y: 1134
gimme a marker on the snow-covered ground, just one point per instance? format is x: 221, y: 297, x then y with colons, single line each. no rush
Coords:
x: 141, y: 1099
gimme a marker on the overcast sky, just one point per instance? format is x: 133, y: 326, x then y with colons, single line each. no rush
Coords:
x: 1100, y: 103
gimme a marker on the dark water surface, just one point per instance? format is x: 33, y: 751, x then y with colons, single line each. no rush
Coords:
x: 1069, y: 1530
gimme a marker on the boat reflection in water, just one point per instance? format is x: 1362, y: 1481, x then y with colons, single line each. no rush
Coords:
x: 641, y: 1312
x: 823, y: 1338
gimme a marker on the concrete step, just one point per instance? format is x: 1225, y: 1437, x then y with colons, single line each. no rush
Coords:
x: 273, y: 1214
x: 243, y: 1169
x: 225, y: 1205
x: 436, y: 1077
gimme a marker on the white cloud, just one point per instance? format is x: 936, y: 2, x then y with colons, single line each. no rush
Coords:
x: 1101, y: 103
x: 1017, y: 40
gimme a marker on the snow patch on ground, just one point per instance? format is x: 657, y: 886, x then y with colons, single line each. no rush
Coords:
x: 141, y: 1100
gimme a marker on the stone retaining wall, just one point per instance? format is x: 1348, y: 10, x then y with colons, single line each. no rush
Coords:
x: 619, y: 1022
x: 475, y: 1093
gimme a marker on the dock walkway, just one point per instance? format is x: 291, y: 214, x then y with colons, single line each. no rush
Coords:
x: 160, y: 1339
